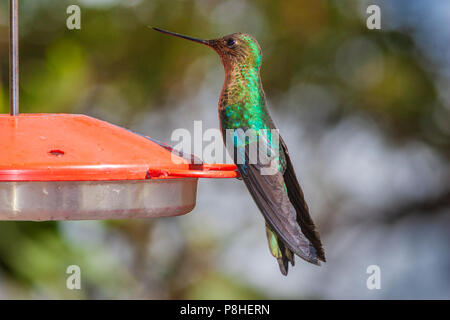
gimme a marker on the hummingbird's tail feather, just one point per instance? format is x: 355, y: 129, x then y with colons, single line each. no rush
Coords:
x: 279, y: 251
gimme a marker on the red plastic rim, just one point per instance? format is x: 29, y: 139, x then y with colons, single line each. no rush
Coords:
x: 205, y: 171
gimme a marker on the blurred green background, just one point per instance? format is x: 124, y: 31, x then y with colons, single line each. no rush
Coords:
x: 365, y: 113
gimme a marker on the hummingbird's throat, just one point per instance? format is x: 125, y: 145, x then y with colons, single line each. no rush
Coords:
x: 242, y: 82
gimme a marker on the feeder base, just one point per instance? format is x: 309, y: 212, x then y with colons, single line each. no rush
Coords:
x: 91, y: 200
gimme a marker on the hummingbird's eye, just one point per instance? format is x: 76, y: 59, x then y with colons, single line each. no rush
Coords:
x: 231, y: 42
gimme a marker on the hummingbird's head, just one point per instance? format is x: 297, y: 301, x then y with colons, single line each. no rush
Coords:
x: 237, y: 49
x: 233, y: 49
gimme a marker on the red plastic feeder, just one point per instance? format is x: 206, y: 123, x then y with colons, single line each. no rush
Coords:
x: 72, y: 167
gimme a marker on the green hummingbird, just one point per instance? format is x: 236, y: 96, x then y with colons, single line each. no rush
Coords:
x: 242, y: 106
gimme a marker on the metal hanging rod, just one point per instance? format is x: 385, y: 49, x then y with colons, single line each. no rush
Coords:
x: 14, y: 57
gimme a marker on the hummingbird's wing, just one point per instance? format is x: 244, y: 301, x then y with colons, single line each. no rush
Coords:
x: 297, y: 199
x: 280, y: 199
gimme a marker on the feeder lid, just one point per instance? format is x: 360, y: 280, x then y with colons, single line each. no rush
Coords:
x: 71, y: 147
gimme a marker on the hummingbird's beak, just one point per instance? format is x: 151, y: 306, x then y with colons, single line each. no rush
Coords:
x: 205, y: 42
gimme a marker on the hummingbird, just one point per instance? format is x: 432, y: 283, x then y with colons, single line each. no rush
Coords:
x: 242, y: 106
